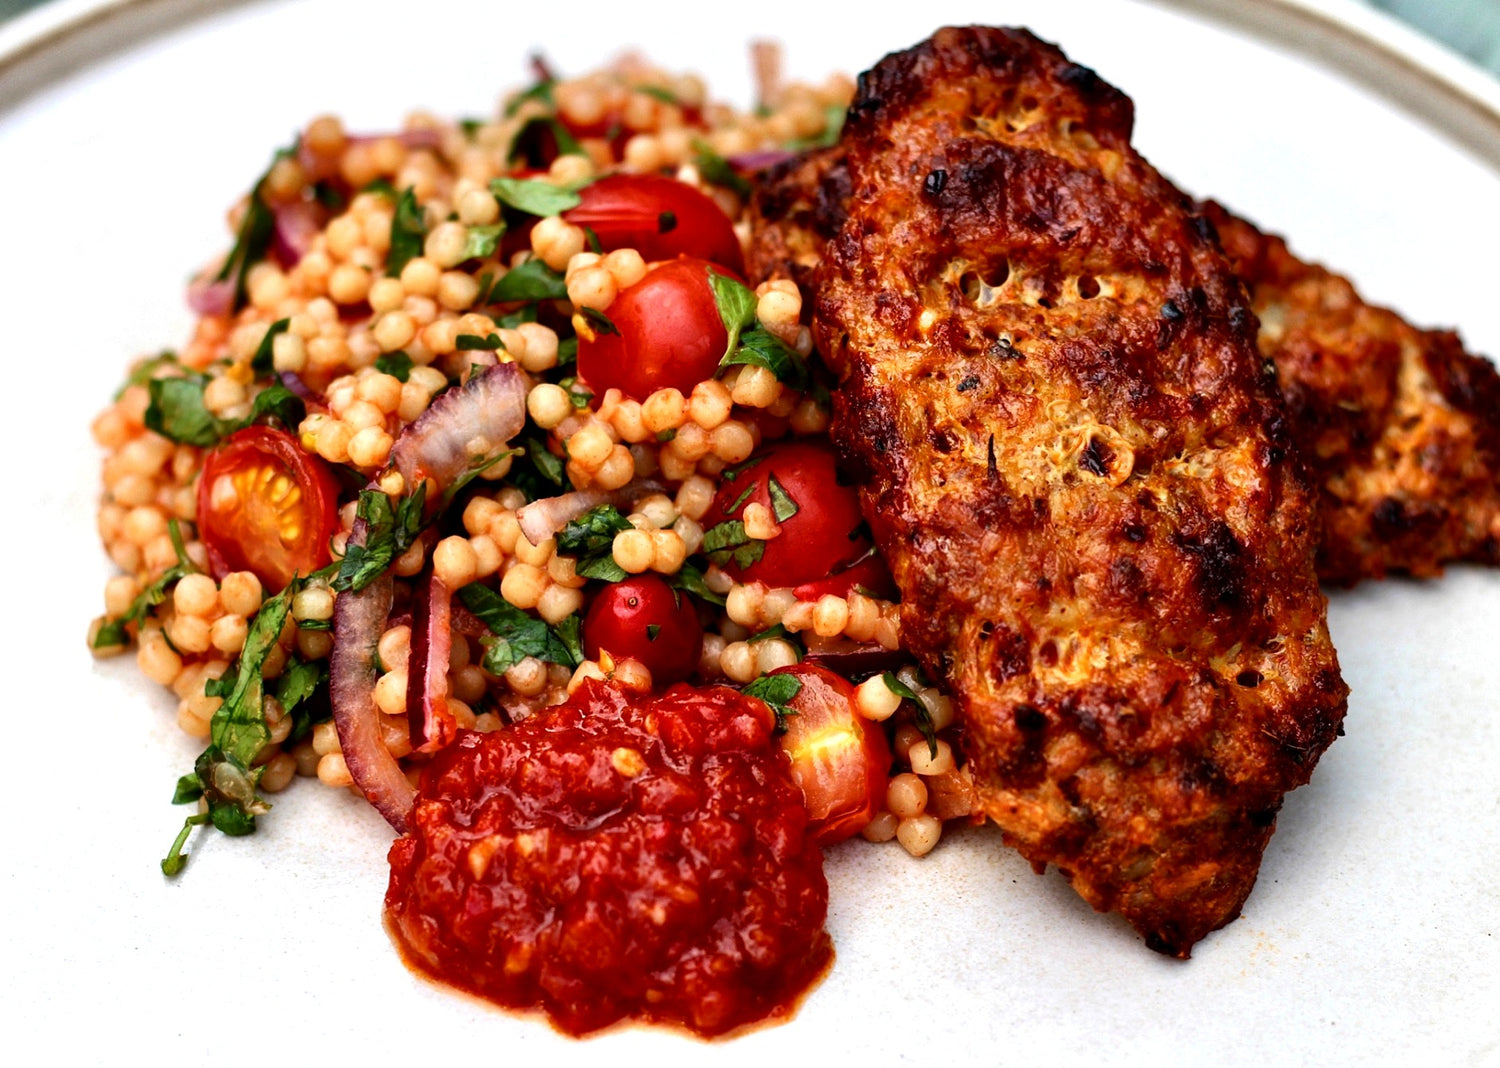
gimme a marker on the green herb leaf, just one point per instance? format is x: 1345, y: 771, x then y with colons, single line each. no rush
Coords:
x: 652, y: 630
x: 666, y: 96
x: 541, y: 91
x: 115, y: 631
x: 279, y: 403
x: 544, y: 474
x: 760, y: 348
x: 833, y: 126
x: 601, y: 323
x: 590, y: 538
x: 407, y: 233
x: 778, y: 691
x: 920, y: 714
x: 570, y: 633
x: 529, y: 137
x: 396, y: 364
x: 261, y: 362
x: 534, y: 197
x: 666, y: 222
x: 389, y: 532
x: 736, y: 305
x: 690, y: 579
x: 719, y: 171
x: 515, y: 635
x: 177, y: 411
x: 728, y: 541
x: 783, y: 507
x: 567, y: 352
x: 146, y: 370
x: 253, y: 239
x: 482, y: 241
x: 734, y: 506
x: 532, y: 280
x: 475, y: 343
x: 176, y: 859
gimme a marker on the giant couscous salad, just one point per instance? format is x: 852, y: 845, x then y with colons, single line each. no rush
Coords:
x: 484, y: 469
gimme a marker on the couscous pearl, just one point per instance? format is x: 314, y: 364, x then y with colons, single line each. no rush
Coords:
x: 195, y: 595
x: 918, y: 835
x: 906, y: 795
x: 454, y: 562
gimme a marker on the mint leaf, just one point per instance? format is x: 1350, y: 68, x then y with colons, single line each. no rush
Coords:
x: 532, y: 280
x: 514, y: 635
x: 736, y: 305
x: 534, y: 197
x: 760, y: 348
x: 389, y: 532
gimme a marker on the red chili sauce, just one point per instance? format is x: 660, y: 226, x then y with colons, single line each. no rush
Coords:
x: 617, y: 857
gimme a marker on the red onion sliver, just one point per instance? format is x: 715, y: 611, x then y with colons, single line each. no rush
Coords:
x: 461, y: 426
x: 759, y: 161
x: 207, y: 297
x: 358, y: 622
x: 431, y: 725
x: 296, y: 226
x: 543, y: 518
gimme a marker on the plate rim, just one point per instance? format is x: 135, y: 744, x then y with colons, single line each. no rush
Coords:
x: 1441, y: 88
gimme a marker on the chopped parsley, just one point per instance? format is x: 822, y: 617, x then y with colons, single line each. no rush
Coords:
x: 115, y: 632
x: 761, y: 348
x: 591, y: 538
x: 396, y: 364
x: 474, y: 343
x: 690, y: 579
x: 262, y: 362
x: 389, y: 532
x: 177, y: 411
x: 515, y: 635
x: 253, y: 239
x: 783, y: 507
x: 482, y: 241
x: 530, y: 281
x: 407, y: 233
x: 718, y: 170
x: 223, y: 774
x: 728, y: 541
x: 920, y: 714
x: 778, y: 691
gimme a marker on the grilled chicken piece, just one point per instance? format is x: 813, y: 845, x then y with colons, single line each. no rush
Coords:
x: 1399, y: 427
x: 1079, y: 470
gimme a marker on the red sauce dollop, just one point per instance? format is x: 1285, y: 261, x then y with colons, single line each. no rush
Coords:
x: 617, y: 857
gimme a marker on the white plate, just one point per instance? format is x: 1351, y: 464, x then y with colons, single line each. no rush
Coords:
x: 1372, y: 933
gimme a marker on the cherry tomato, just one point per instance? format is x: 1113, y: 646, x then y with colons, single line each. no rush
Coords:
x: 868, y: 573
x: 669, y: 334
x: 267, y: 506
x: 840, y: 760
x: 820, y: 537
x: 645, y: 619
x: 659, y: 217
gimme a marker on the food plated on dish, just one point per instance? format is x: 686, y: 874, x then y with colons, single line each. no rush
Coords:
x: 460, y: 554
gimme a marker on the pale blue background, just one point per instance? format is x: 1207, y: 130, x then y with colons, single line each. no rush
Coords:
x: 1471, y: 27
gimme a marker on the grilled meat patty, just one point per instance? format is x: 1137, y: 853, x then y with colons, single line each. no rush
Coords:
x: 1079, y: 469
x: 1399, y: 427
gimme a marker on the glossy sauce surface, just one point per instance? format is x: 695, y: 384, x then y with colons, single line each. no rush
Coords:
x: 617, y: 857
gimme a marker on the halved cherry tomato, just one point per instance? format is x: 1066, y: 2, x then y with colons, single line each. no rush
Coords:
x: 267, y: 506
x: 840, y: 760
x: 644, y: 619
x: 823, y: 534
x: 669, y: 333
x: 868, y: 574
x: 659, y: 217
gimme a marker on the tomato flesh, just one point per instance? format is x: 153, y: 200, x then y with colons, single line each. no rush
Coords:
x: 840, y: 760
x: 659, y: 217
x: 265, y: 505
x: 821, y: 537
x: 644, y: 619
x: 669, y: 334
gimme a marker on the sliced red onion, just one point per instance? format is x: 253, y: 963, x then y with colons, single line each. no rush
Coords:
x: 358, y: 622
x: 293, y: 381
x: 851, y: 659
x: 759, y: 161
x: 296, y: 226
x: 207, y: 297
x: 543, y: 518
x: 462, y: 426
x: 432, y: 726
